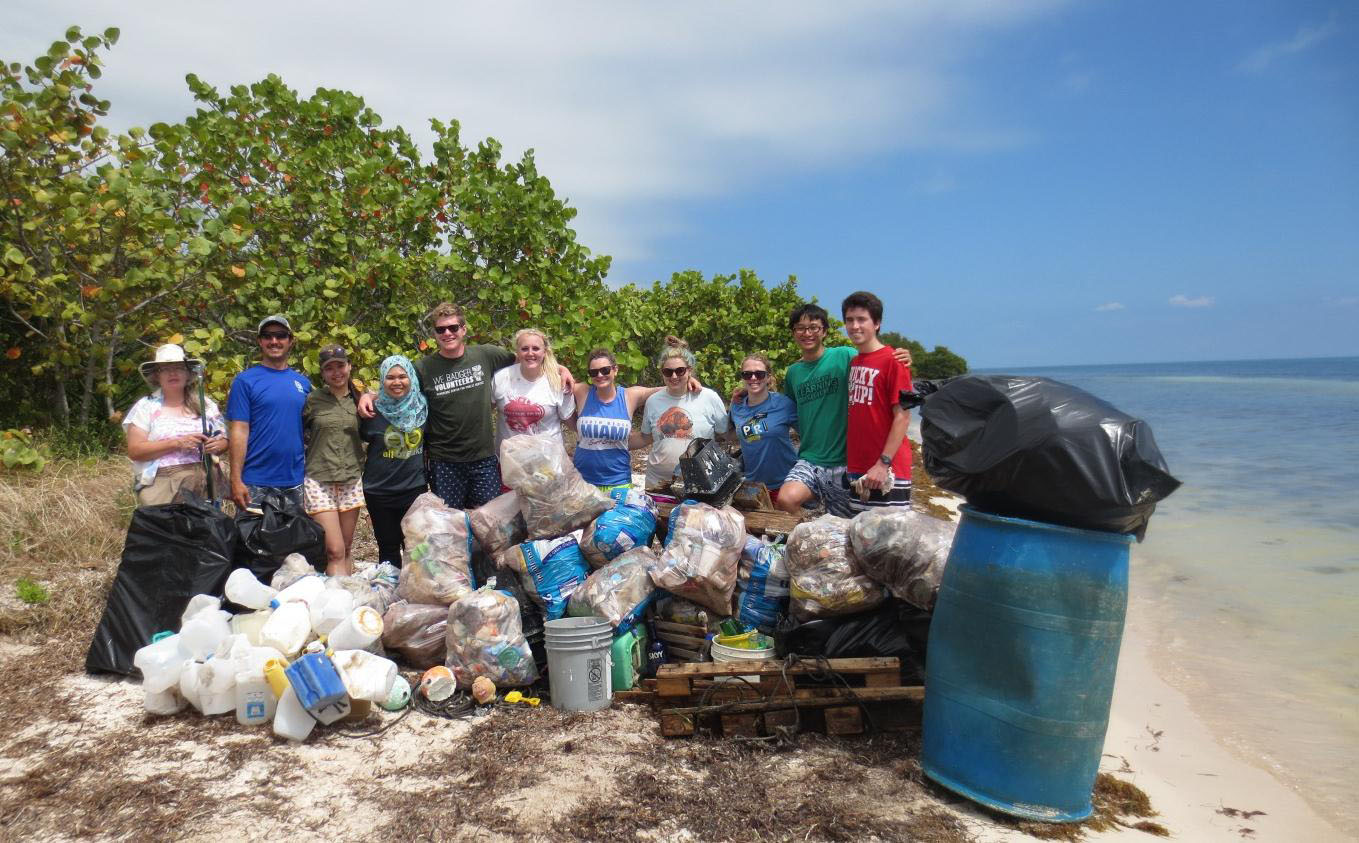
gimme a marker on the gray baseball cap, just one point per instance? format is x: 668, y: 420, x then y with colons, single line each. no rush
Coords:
x: 275, y: 318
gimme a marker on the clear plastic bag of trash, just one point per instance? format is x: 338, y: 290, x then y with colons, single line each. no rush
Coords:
x: 550, y: 570
x: 436, y: 565
x: 700, y: 560
x: 1036, y: 448
x: 620, y: 591
x: 904, y: 550
x: 499, y: 524
x: 762, y: 587
x: 668, y: 607
x: 824, y: 578
x: 416, y: 632
x: 381, y: 581
x: 631, y: 523
x: 553, y: 497
x: 485, y: 638
x: 295, y: 566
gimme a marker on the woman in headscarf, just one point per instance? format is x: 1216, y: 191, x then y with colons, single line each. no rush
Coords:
x: 168, y: 432
x: 394, y: 474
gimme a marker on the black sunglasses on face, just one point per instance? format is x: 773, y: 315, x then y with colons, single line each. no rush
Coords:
x: 749, y: 375
x: 275, y: 335
x: 674, y: 373
x: 448, y: 329
x: 600, y: 372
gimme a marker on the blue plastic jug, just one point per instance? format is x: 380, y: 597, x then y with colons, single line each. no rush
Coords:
x: 1020, y: 670
x: 319, y: 687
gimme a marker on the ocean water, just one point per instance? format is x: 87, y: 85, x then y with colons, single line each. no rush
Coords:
x: 1252, y: 566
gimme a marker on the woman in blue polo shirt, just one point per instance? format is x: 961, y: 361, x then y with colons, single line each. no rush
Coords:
x: 762, y: 420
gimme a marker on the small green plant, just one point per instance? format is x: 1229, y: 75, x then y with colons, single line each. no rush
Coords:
x: 31, y: 592
x: 17, y: 450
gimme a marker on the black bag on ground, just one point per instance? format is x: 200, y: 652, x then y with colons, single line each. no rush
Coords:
x: 172, y: 552
x: 278, y: 529
x: 1037, y: 448
x: 894, y: 629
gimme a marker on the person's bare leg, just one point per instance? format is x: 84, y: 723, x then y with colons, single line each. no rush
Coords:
x: 349, y: 520
x: 335, y: 545
x: 792, y: 495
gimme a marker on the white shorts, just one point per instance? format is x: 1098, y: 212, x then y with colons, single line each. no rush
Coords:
x: 331, y: 497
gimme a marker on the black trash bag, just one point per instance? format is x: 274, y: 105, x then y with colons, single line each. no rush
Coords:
x: 172, y: 552
x: 280, y: 528
x: 894, y: 629
x: 1036, y: 448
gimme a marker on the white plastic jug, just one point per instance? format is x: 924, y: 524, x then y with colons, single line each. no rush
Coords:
x: 160, y: 663
x: 190, y: 685
x: 217, y: 687
x: 287, y: 629
x: 199, y: 603
x: 243, y: 588
x: 164, y: 702
x: 330, y: 609
x: 255, y: 700
x: 358, y: 632
x: 291, y: 720
x: 249, y: 624
x: 365, y: 676
x: 305, y: 590
x: 202, y: 633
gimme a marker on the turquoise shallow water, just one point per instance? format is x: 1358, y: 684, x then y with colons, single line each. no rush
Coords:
x: 1253, y: 564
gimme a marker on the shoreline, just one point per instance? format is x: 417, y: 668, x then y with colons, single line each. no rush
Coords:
x: 1200, y: 787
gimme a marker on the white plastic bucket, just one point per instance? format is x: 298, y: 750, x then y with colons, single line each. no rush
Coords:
x: 723, y: 654
x: 579, y: 664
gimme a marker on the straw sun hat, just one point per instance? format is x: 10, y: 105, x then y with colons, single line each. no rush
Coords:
x: 169, y: 353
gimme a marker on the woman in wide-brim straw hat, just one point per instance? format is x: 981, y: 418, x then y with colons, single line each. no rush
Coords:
x: 165, y: 430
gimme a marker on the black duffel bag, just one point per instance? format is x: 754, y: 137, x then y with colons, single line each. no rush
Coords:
x: 895, y: 629
x: 172, y: 552
x: 278, y: 529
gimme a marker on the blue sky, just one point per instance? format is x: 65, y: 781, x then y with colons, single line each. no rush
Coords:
x: 1030, y: 182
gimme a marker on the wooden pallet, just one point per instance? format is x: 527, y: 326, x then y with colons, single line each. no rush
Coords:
x: 771, y: 698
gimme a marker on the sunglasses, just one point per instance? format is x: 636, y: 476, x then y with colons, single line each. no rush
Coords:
x: 674, y: 373
x: 600, y: 372
x: 275, y: 335
x: 749, y: 375
x: 448, y: 329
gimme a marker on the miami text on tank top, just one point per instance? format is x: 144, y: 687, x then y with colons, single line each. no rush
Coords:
x: 602, y: 447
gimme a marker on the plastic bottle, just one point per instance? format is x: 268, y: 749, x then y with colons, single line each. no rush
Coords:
x: 287, y: 628
x: 217, y: 687
x: 318, y: 687
x: 199, y: 603
x: 330, y: 609
x: 305, y: 590
x: 255, y: 701
x: 202, y: 633
x: 365, y: 676
x: 291, y: 720
x: 358, y: 632
x: 243, y: 588
x: 249, y: 624
x: 160, y: 663
x: 656, y: 652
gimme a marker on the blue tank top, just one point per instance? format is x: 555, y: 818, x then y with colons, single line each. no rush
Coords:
x: 602, y: 430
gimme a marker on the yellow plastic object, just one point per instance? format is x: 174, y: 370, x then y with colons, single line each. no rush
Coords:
x: 273, y: 673
x: 514, y: 697
x: 744, y: 641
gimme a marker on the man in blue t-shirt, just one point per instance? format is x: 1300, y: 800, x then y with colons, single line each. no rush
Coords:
x: 264, y: 420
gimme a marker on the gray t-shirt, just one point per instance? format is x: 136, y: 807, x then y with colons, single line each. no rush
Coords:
x: 675, y: 421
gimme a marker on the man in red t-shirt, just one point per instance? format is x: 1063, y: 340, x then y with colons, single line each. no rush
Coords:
x: 878, y: 455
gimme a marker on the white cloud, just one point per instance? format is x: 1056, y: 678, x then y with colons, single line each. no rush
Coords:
x: 1108, y: 306
x: 1182, y: 300
x: 630, y: 107
x: 1307, y: 36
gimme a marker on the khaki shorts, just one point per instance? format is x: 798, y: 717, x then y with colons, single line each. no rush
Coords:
x: 331, y: 497
x: 169, y: 481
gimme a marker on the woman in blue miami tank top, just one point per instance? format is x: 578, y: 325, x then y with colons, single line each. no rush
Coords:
x: 604, y: 435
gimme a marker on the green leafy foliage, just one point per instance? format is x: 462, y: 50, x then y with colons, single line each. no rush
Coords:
x: 19, y: 451
x: 30, y: 592
x: 927, y: 365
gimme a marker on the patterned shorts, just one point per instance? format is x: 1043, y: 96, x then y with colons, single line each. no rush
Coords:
x: 830, y: 486
x: 332, y: 497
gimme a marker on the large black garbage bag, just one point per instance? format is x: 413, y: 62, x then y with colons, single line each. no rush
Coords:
x: 172, y: 552
x: 1037, y: 448
x: 894, y: 629
x: 280, y: 528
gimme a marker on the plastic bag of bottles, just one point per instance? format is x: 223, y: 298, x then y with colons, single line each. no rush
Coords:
x: 762, y: 590
x: 437, y: 562
x: 700, y: 559
x: 550, y: 570
x: 631, y: 523
x: 416, y: 632
x: 904, y: 550
x: 553, y: 497
x: 485, y: 639
x: 620, y: 591
x: 498, y: 524
x: 824, y: 578
x: 295, y: 566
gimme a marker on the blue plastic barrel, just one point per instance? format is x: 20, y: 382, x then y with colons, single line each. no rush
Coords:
x: 1020, y: 669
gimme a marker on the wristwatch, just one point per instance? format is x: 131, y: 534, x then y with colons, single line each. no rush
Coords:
x: 885, y: 460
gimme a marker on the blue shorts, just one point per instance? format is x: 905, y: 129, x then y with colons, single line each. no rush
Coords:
x: 465, y: 485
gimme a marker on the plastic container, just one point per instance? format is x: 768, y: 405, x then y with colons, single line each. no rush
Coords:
x: 365, y: 676
x: 164, y: 702
x: 359, y: 630
x: 330, y: 609
x: 244, y: 589
x: 255, y: 700
x: 217, y: 687
x: 1020, y: 670
x: 628, y: 654
x: 250, y: 624
x: 318, y: 687
x: 722, y: 654
x: 199, y: 603
x: 287, y: 628
x: 291, y: 720
x: 579, y: 664
x: 160, y: 663
x: 305, y: 590
x: 202, y: 633
x: 400, y: 695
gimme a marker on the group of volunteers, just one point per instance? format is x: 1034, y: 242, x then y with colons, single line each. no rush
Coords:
x: 436, y: 423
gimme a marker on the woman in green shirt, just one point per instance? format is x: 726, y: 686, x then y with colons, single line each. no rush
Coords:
x: 333, y: 486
